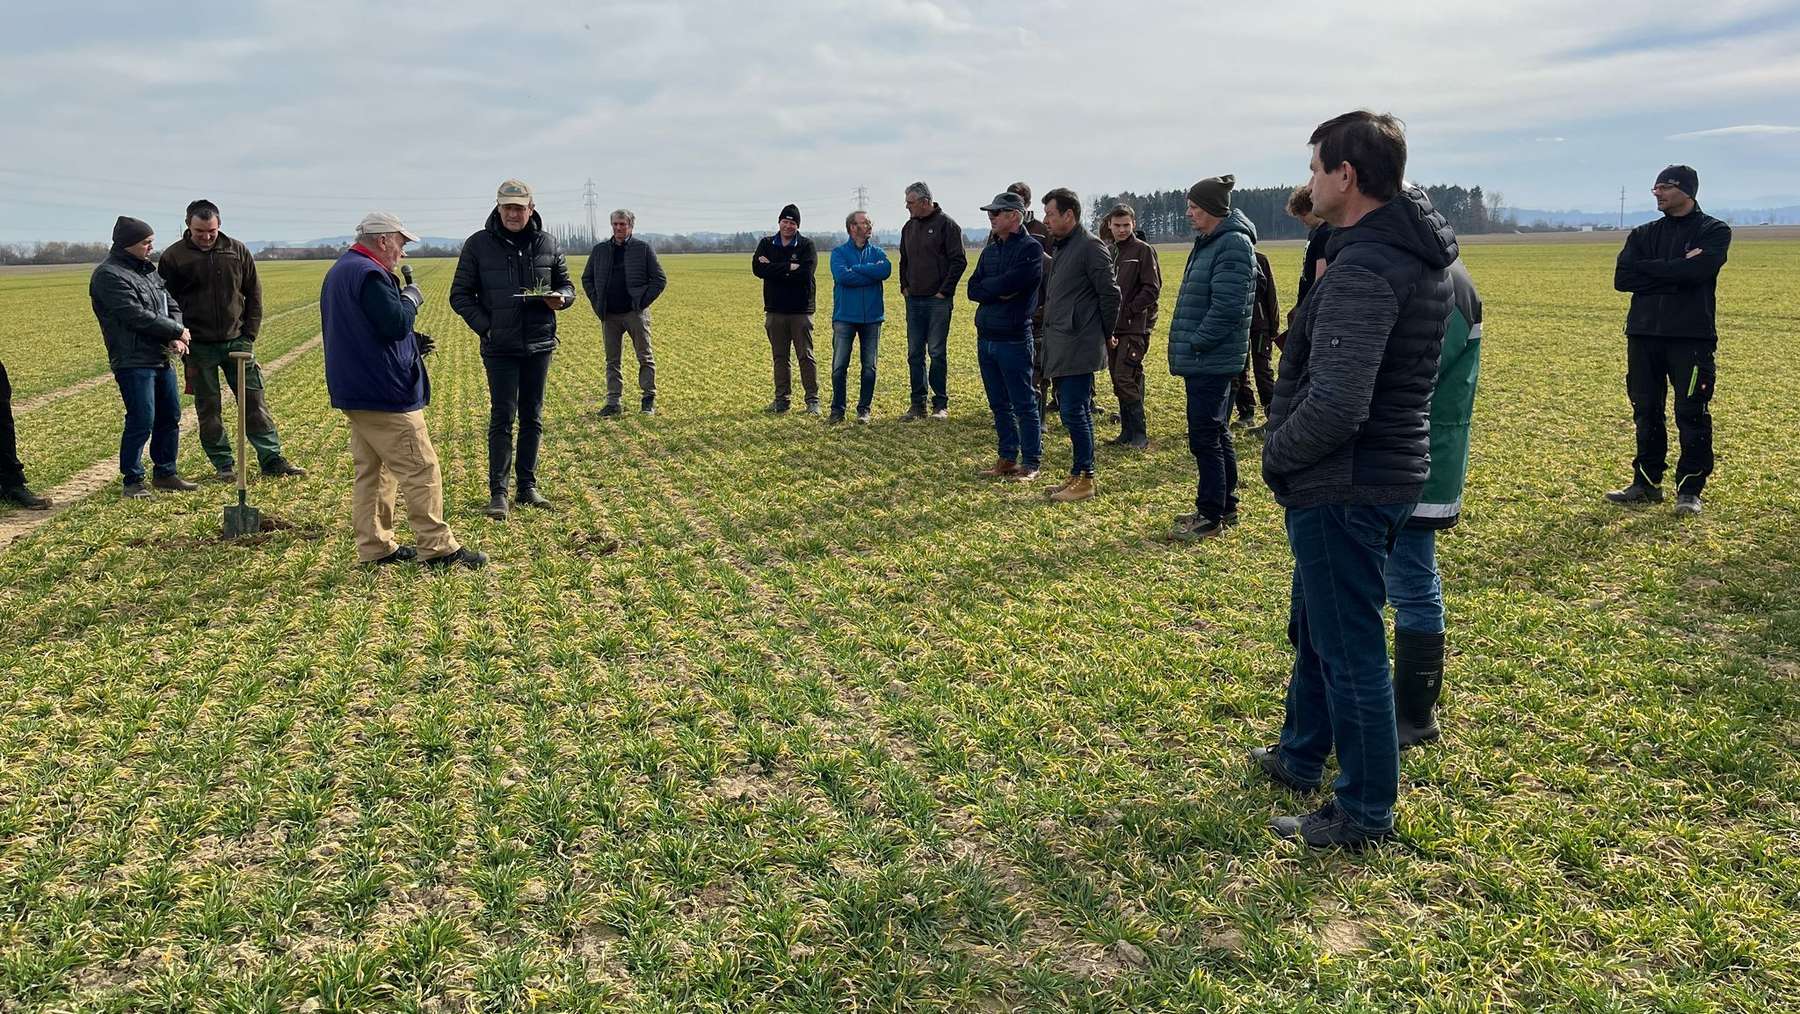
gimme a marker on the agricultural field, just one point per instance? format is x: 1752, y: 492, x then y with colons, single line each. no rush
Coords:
x: 773, y: 715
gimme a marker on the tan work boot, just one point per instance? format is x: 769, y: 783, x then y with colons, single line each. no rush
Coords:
x: 1000, y: 469
x: 1079, y: 487
x: 1059, y: 487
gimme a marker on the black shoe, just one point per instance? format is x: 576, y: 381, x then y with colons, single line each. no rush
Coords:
x: 465, y: 557
x: 283, y: 467
x: 1230, y: 518
x: 1268, y: 760
x: 914, y: 414
x: 24, y: 497
x: 1195, y: 526
x: 135, y: 491
x: 1418, y: 682
x: 226, y: 474
x: 1328, y: 827
x: 530, y: 497
x: 609, y: 410
x: 1687, y: 505
x: 835, y: 417
x: 648, y: 407
x: 1637, y: 494
x: 402, y: 554
x: 497, y: 507
x: 173, y: 483
x: 776, y: 407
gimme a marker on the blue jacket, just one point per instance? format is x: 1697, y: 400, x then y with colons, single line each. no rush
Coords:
x: 856, y: 277
x: 1005, y: 284
x: 372, y: 359
x: 1210, y: 333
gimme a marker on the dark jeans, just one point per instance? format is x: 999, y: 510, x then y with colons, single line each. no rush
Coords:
x: 515, y: 388
x: 1341, y: 694
x: 1209, y: 438
x: 843, y: 334
x: 1006, y: 376
x: 12, y: 472
x: 1413, y: 587
x: 1653, y: 365
x: 152, y: 413
x: 927, y: 333
x: 1074, y: 399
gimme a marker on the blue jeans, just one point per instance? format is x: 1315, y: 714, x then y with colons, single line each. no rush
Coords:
x: 1006, y: 375
x: 843, y: 333
x: 153, y: 414
x: 1074, y: 402
x: 1413, y: 588
x: 1209, y: 439
x: 1340, y: 694
x: 927, y: 332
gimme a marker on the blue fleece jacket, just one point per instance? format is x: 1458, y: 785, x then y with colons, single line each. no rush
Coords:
x: 857, y: 277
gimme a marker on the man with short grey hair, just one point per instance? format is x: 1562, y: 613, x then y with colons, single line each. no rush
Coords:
x: 932, y: 261
x: 622, y: 279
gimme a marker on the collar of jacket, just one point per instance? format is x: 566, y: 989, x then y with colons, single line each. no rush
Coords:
x: 131, y: 260
x: 1078, y: 231
x: 533, y: 226
x: 187, y: 236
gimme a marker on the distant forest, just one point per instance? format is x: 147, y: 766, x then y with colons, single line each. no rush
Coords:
x: 1163, y: 215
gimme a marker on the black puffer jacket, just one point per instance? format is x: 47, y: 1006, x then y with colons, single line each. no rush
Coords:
x: 494, y: 267
x: 1672, y: 294
x: 1350, y: 421
x: 138, y: 318
x: 644, y: 277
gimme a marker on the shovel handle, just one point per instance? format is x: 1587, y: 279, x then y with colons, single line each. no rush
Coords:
x: 243, y: 469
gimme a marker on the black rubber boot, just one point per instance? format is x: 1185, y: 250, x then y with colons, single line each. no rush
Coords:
x: 1139, y: 436
x: 1418, y: 681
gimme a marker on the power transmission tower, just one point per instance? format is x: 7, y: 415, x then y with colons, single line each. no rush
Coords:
x: 591, y: 198
x: 862, y: 199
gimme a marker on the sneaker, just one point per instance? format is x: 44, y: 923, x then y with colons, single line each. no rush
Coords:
x: 281, y: 467
x: 401, y: 554
x: 530, y: 497
x: 173, y: 483
x: 1328, y: 827
x: 24, y: 497
x: 942, y: 413
x: 135, y: 491
x: 1637, y: 494
x: 776, y: 407
x: 226, y: 474
x: 834, y: 418
x: 1024, y: 473
x: 609, y: 410
x: 1189, y: 527
x: 464, y: 556
x: 497, y: 507
x: 812, y: 408
x: 1079, y: 487
x: 1000, y: 469
x: 1687, y: 504
x: 862, y: 416
x: 1268, y: 761
x: 914, y: 414
x: 648, y: 407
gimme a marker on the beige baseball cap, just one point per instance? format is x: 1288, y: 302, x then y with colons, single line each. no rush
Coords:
x: 514, y: 192
x: 382, y: 221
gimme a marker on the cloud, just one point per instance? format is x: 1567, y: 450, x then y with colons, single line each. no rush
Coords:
x: 1748, y: 129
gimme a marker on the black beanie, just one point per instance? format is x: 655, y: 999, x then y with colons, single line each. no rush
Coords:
x: 1684, y: 177
x: 790, y: 211
x: 1213, y: 194
x: 128, y: 231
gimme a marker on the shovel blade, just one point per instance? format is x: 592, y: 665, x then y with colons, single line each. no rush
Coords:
x: 242, y: 521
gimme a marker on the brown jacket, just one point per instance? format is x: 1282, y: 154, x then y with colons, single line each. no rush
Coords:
x: 1140, y: 284
x: 219, y: 293
x: 932, y: 260
x: 1265, y: 315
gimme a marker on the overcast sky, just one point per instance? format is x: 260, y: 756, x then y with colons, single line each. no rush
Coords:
x: 297, y: 117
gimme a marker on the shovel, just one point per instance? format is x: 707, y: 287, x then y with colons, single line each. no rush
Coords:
x: 242, y: 519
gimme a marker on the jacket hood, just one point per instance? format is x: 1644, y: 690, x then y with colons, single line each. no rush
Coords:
x: 533, y: 225
x: 1408, y: 222
x: 1237, y: 221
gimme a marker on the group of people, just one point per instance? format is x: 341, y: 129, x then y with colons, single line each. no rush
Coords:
x: 1365, y: 444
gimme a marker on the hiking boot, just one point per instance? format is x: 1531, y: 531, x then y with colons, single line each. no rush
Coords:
x: 914, y: 414
x: 463, y: 557
x: 1268, y: 761
x: 530, y: 497
x: 862, y: 417
x: 24, y: 497
x: 648, y: 406
x: 497, y: 507
x: 1079, y: 487
x: 135, y: 491
x: 1637, y: 494
x: 1418, y: 682
x: 173, y: 483
x: 226, y: 474
x: 1328, y: 827
x: 1189, y: 527
x: 1000, y: 469
x: 1687, y: 505
x: 401, y: 554
x: 942, y: 413
x: 609, y: 410
x: 776, y: 407
x: 282, y: 467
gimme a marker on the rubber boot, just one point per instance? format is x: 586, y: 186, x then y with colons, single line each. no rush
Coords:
x: 1139, y: 437
x: 1418, y: 681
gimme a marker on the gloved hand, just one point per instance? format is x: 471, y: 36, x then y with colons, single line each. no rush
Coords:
x: 411, y: 294
x: 426, y: 343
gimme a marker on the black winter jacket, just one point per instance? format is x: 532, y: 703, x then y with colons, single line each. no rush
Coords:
x: 1672, y: 294
x: 1350, y: 421
x: 789, y: 282
x: 644, y: 277
x: 494, y: 267
x: 138, y: 318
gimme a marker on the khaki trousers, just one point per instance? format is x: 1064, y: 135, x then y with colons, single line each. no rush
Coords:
x: 393, y: 450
